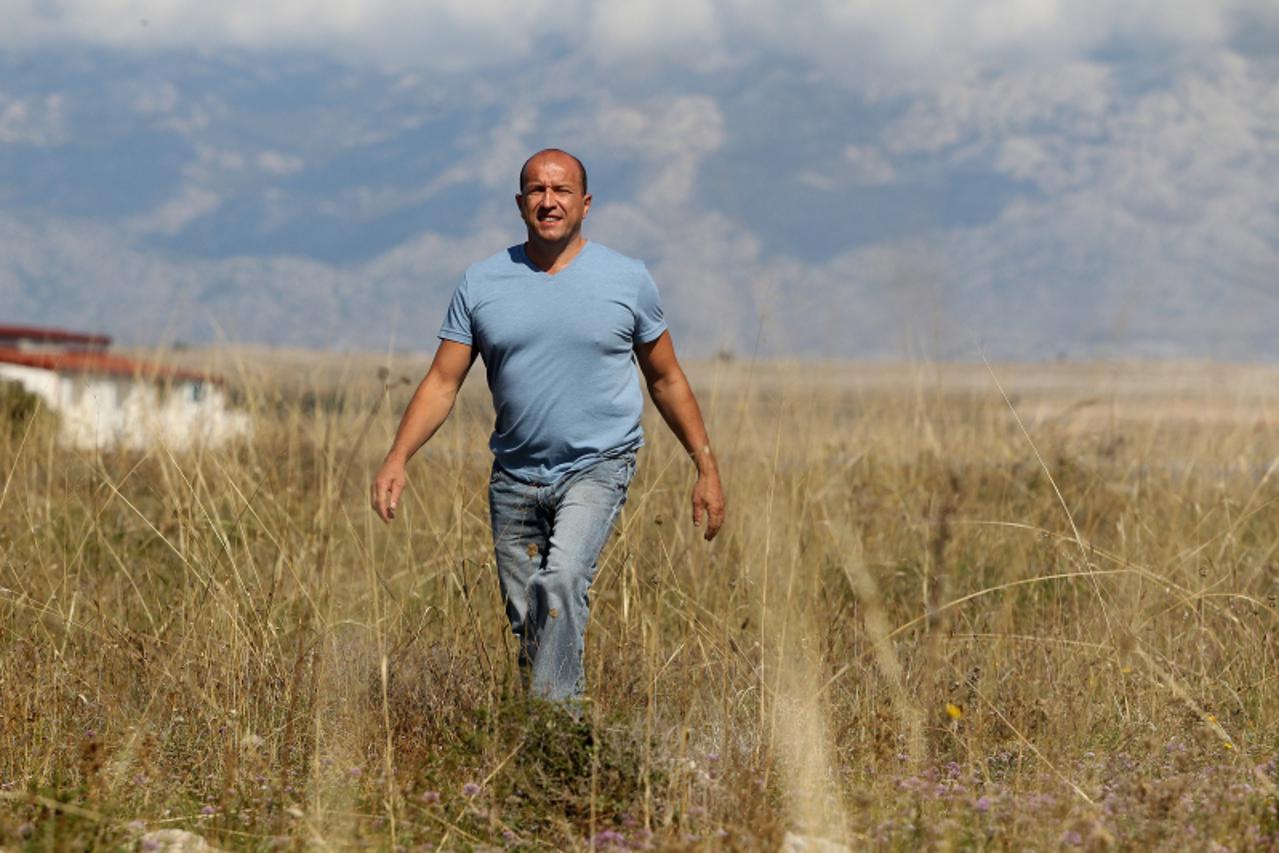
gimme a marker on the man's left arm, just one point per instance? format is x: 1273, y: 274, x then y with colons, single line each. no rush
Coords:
x: 674, y: 398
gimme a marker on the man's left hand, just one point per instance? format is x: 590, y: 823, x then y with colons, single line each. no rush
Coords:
x: 708, y: 504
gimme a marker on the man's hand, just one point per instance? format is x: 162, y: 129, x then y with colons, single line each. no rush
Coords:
x: 671, y: 393
x: 431, y: 404
x: 708, y: 503
x: 388, y: 485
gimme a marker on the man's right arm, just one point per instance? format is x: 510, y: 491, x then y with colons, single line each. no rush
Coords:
x: 430, y: 405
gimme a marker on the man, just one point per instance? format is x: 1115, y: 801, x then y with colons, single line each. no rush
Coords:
x: 560, y: 322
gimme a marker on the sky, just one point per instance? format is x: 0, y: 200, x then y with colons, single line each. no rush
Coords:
x: 938, y: 179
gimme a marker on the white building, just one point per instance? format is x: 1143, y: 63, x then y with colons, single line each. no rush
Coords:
x: 104, y: 400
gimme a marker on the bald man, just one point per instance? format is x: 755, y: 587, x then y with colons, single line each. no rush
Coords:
x: 560, y: 322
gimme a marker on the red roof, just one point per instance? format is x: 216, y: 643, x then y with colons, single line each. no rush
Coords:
x: 100, y: 364
x: 54, y: 336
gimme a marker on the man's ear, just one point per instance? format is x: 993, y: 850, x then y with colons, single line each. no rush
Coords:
x: 519, y: 201
x: 586, y: 205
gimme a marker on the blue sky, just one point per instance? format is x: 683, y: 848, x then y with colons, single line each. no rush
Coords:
x: 1030, y: 179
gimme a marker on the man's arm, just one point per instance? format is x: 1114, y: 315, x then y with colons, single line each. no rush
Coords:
x: 430, y: 405
x: 674, y: 398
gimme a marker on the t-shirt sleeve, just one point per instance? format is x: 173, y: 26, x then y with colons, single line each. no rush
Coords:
x: 457, y: 320
x: 649, y: 319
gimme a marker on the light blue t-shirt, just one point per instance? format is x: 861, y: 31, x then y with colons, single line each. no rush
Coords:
x: 559, y: 354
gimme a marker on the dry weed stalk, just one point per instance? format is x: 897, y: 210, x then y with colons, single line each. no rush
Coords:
x: 929, y: 623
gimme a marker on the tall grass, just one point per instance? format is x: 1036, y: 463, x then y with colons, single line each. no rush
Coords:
x: 939, y: 616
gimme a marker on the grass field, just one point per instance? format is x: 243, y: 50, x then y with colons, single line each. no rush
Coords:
x: 1023, y: 607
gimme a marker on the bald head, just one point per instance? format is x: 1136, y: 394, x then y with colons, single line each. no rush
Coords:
x: 554, y: 153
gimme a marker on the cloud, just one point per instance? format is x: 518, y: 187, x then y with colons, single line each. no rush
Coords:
x: 869, y: 165
x: 668, y: 135
x: 1163, y: 154
x: 190, y: 204
x: 433, y: 34
x: 889, y: 44
x: 38, y: 121
x: 665, y: 29
x: 1073, y: 97
x: 277, y: 163
x: 155, y: 97
x: 857, y: 165
x: 887, y: 41
x: 206, y: 182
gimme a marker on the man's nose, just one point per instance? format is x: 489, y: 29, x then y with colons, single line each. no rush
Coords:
x: 549, y: 200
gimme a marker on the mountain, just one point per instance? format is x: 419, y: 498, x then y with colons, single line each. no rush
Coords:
x: 1101, y: 205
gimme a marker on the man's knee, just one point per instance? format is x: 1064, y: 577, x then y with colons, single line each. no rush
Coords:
x: 555, y: 588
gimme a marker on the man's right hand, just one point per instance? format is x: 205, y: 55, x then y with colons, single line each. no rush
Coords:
x: 388, y: 485
x: 431, y: 404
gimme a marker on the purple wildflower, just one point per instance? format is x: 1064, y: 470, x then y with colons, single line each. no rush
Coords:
x: 470, y: 789
x: 609, y: 838
x: 982, y: 804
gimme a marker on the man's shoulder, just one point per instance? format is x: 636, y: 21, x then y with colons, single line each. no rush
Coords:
x: 610, y: 257
x: 500, y: 263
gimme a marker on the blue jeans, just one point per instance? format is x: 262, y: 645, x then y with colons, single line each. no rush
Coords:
x: 547, y: 540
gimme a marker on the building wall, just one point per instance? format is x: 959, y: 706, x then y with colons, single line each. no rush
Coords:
x: 43, y: 383
x: 114, y: 411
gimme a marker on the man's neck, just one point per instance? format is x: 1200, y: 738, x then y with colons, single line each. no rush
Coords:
x: 552, y: 257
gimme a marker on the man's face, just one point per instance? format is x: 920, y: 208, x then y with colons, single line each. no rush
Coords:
x: 552, y: 203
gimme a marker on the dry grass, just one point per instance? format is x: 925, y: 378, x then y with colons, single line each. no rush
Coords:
x: 923, y: 626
